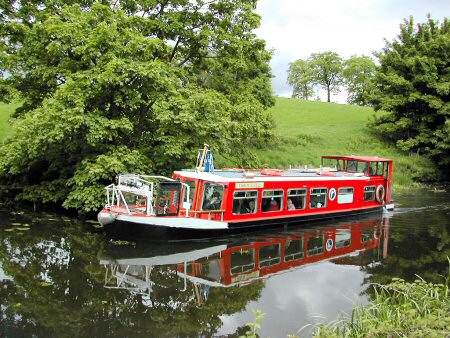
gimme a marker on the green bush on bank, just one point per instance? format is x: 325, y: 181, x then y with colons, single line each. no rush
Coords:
x: 400, y: 309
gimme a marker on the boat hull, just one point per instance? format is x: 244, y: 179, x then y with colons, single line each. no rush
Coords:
x: 177, y: 228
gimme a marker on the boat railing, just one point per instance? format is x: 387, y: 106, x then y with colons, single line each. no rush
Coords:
x: 242, y: 268
x: 209, y: 213
x: 264, y: 263
x: 125, y: 281
x: 316, y: 251
x: 140, y: 186
x: 294, y: 256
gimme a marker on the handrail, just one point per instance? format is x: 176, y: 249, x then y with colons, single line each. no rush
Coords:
x: 124, y: 202
x: 207, y: 211
x: 158, y: 176
x: 139, y: 185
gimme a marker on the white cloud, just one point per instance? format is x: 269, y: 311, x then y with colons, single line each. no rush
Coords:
x: 295, y: 299
x: 297, y: 28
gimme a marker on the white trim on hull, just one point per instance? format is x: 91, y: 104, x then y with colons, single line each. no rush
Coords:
x: 169, y: 222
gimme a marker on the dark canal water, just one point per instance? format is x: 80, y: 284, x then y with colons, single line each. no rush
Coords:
x: 61, y: 277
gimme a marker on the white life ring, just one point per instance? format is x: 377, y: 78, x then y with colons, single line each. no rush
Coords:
x: 332, y: 194
x: 329, y: 244
x: 379, y: 194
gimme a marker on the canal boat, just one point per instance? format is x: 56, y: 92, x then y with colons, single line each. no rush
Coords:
x: 211, y: 201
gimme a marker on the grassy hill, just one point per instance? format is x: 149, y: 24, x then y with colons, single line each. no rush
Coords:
x: 306, y: 130
x: 5, y: 111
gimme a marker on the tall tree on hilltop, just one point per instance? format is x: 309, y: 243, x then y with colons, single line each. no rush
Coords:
x: 413, y: 84
x: 300, y: 76
x: 121, y: 86
x: 358, y: 74
x: 327, y: 69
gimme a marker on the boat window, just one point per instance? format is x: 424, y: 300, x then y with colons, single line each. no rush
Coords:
x: 191, y: 185
x: 213, y: 196
x: 272, y: 200
x: 379, y: 168
x: 316, y: 245
x: 352, y: 166
x: 168, y: 200
x: 209, y: 269
x: 242, y: 260
x: 369, y: 193
x: 343, y: 238
x: 367, y: 235
x: 136, y: 203
x: 332, y: 164
x: 318, y: 198
x: 386, y: 170
x: 269, y: 255
x: 245, y: 202
x: 345, y: 195
x: 296, y: 199
x: 363, y: 167
x: 294, y: 250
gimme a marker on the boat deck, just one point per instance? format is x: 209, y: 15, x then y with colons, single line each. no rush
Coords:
x: 243, y: 174
x: 283, y: 173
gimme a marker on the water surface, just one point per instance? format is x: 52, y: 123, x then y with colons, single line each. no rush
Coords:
x: 60, y: 277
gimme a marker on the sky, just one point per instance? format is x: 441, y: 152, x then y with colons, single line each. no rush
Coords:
x: 306, y: 298
x: 294, y: 29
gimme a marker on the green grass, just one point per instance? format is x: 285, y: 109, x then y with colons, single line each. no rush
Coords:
x: 306, y: 130
x: 5, y: 112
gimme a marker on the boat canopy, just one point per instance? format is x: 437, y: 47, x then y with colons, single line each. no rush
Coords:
x: 358, y: 158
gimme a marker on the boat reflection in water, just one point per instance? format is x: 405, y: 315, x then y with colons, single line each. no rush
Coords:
x: 236, y: 262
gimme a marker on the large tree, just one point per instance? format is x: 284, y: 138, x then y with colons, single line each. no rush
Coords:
x: 327, y: 69
x: 300, y: 76
x: 122, y: 86
x: 413, y: 85
x: 358, y: 74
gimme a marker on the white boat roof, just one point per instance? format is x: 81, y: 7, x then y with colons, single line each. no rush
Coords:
x: 289, y: 175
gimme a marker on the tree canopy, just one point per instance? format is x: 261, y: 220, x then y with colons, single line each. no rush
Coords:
x: 358, y: 74
x: 327, y: 70
x: 413, y: 85
x: 123, y: 86
x: 300, y: 76
x: 320, y: 69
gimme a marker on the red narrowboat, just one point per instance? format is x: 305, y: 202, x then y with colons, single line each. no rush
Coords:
x: 212, y: 201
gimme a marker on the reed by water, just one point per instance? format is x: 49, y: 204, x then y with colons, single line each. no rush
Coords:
x: 399, y: 309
